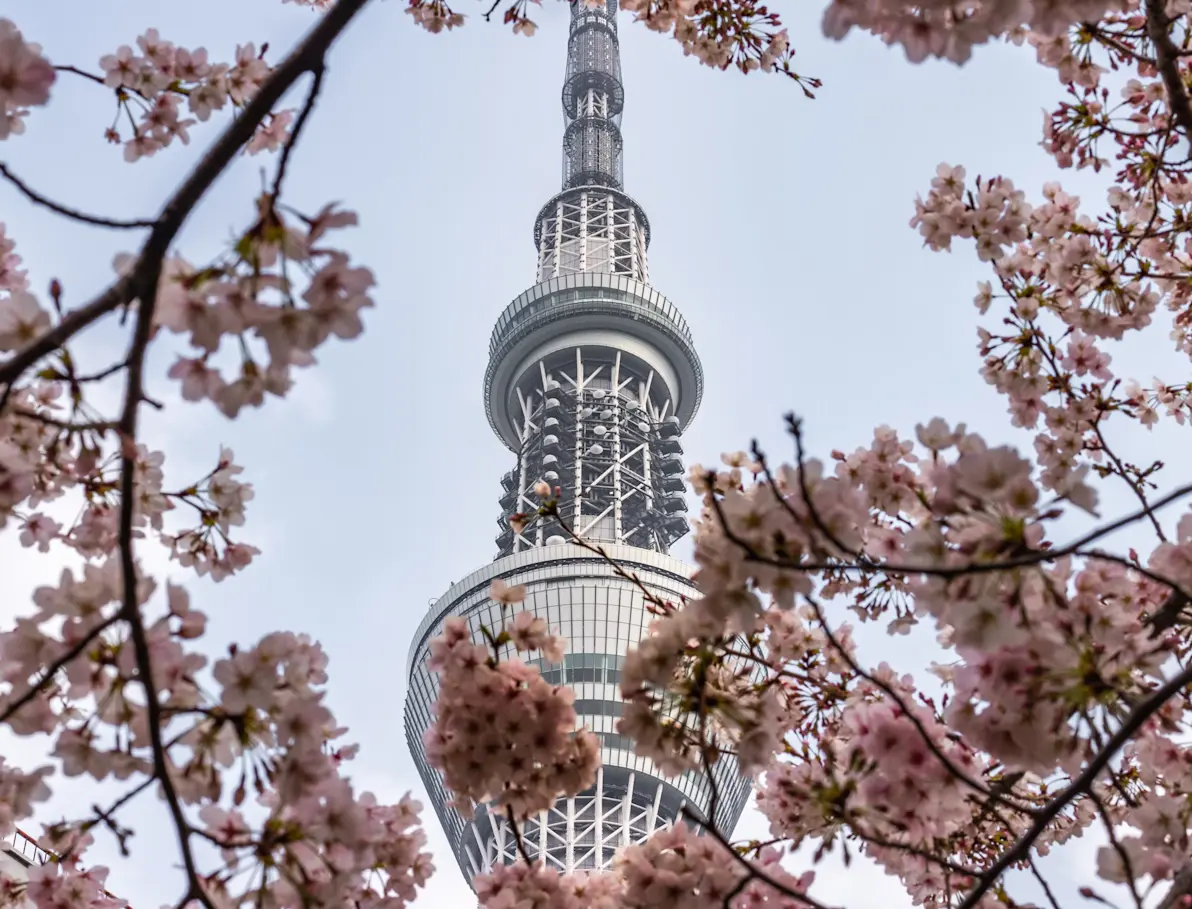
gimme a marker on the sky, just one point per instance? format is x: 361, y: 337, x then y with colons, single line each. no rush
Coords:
x: 779, y: 227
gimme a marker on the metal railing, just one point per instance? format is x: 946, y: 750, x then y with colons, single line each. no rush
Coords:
x: 25, y: 848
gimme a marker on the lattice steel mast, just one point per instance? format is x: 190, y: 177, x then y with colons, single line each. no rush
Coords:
x: 592, y: 375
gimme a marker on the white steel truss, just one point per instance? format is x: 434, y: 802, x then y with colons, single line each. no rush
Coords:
x: 583, y: 832
x: 592, y: 229
x: 602, y: 431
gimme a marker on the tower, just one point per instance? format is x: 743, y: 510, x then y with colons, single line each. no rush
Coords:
x: 592, y: 376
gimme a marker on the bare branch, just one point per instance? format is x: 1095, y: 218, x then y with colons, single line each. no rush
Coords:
x: 312, y: 96
x: 67, y: 212
x: 83, y: 73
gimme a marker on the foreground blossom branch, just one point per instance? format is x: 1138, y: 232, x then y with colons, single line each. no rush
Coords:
x: 307, y: 57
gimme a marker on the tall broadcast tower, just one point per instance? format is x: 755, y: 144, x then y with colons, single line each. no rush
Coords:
x: 591, y: 378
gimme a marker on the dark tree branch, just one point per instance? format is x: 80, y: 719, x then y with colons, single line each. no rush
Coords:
x: 71, y: 324
x: 142, y: 284
x: 1166, y: 61
x: 83, y: 73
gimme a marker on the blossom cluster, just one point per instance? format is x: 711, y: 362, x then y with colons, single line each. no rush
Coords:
x: 252, y: 294
x: 311, y: 824
x: 46, y: 454
x: 1038, y: 648
x: 939, y: 29
x: 111, y: 667
x: 154, y: 81
x: 501, y: 733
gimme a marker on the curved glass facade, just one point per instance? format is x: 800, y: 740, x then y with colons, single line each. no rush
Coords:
x: 601, y: 615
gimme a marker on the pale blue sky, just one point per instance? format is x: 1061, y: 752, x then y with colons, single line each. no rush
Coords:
x: 779, y: 228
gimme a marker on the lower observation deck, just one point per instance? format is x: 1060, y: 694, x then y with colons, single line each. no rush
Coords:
x: 601, y: 615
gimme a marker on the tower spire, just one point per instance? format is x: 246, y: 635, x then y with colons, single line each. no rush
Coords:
x: 593, y: 98
x: 592, y: 225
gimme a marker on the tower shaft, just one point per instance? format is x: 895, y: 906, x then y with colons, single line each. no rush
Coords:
x: 592, y: 377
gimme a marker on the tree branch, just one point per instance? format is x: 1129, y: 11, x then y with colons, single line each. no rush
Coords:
x: 1080, y: 786
x: 312, y: 96
x: 143, y: 285
x: 72, y: 213
x: 71, y: 324
x: 752, y: 872
x: 1166, y: 57
x: 55, y: 667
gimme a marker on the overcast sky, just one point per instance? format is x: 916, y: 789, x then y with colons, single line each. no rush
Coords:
x: 779, y: 229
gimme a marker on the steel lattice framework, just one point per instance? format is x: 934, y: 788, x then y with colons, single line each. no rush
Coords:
x: 592, y: 377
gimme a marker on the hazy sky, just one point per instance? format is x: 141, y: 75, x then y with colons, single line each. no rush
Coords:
x: 779, y: 228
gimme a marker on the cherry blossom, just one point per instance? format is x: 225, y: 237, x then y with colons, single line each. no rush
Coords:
x: 501, y: 733
x: 1057, y: 702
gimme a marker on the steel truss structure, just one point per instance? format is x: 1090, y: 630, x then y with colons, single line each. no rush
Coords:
x: 592, y: 229
x: 594, y: 424
x: 592, y: 377
x: 584, y: 832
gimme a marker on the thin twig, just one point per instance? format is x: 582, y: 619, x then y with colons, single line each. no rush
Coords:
x: 55, y: 667
x: 67, y: 212
x: 1135, y: 487
x: 751, y: 870
x: 1123, y: 855
x: 83, y: 73
x: 312, y: 96
x: 1043, y: 883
